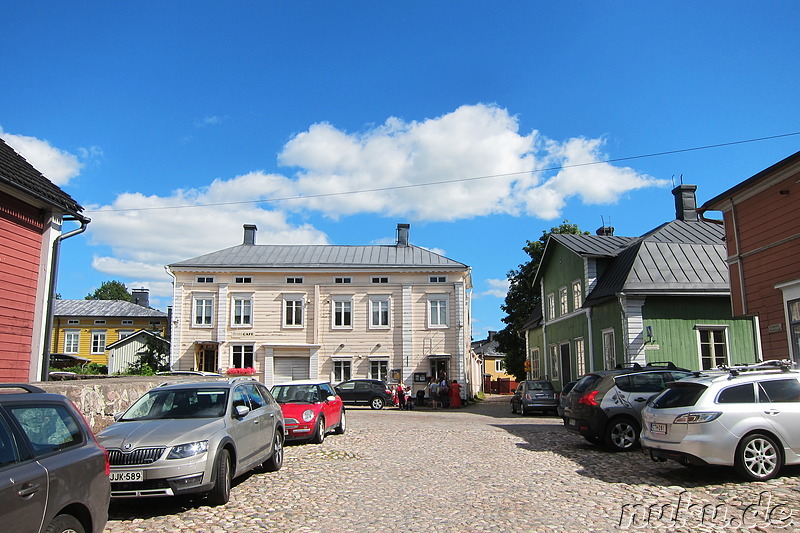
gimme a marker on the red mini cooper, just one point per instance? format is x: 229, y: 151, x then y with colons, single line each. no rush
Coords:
x: 311, y: 409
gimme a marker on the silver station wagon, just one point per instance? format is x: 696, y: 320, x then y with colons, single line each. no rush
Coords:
x: 742, y: 416
x: 194, y: 437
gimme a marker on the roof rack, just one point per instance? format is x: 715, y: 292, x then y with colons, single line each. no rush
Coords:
x: 663, y: 364
x: 775, y: 365
x: 241, y: 378
x: 24, y: 386
x: 623, y: 366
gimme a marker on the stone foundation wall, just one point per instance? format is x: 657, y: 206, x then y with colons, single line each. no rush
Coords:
x: 99, y: 399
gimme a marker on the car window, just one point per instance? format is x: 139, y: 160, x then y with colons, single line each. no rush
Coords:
x: 327, y: 390
x: 182, y: 403
x: 648, y: 382
x: 540, y: 385
x: 679, y: 395
x: 361, y: 385
x: 8, y: 450
x: 48, y: 427
x: 240, y: 398
x: 587, y: 383
x: 779, y: 390
x: 744, y: 393
x: 347, y: 385
x: 256, y: 400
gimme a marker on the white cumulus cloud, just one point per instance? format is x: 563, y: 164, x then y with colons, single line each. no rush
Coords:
x: 59, y: 166
x: 497, y: 287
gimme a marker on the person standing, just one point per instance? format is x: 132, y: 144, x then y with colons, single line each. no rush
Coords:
x: 444, y: 393
x: 400, y: 393
x: 433, y: 392
x: 455, y: 394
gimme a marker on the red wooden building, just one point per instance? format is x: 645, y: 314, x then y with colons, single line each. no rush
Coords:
x: 32, y: 210
x: 762, y: 233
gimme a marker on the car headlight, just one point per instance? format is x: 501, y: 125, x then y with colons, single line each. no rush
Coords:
x: 308, y: 415
x: 182, y: 451
x: 696, y: 418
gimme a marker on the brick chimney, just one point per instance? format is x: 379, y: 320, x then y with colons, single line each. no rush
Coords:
x: 141, y: 297
x: 250, y: 234
x: 685, y: 202
x: 402, y: 234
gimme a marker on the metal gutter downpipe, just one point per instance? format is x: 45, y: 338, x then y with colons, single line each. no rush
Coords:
x: 48, y: 324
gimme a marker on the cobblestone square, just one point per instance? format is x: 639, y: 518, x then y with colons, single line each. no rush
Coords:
x: 475, y: 469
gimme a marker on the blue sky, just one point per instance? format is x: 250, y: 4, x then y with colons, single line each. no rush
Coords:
x: 234, y: 107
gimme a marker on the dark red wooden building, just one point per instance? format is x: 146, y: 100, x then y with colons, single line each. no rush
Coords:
x: 32, y: 210
x: 762, y: 233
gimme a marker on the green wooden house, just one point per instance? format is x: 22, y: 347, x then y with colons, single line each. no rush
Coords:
x: 663, y: 296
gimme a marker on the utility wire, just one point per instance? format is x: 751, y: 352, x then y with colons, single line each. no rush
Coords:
x: 457, y: 180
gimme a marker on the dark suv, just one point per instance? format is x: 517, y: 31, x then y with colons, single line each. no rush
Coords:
x: 373, y: 392
x: 53, y: 474
x: 605, y: 407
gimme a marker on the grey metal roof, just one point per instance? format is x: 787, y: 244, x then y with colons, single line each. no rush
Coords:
x: 104, y: 308
x: 18, y: 173
x: 133, y: 336
x: 319, y: 256
x: 593, y: 245
x: 687, y: 232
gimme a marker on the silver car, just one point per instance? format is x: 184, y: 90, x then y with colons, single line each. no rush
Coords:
x: 745, y: 417
x: 194, y: 437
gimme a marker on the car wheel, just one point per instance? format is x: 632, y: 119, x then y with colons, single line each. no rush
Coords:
x: 275, y: 462
x: 319, y: 433
x: 65, y: 523
x: 513, y: 408
x: 377, y: 403
x: 342, y: 426
x: 221, y: 492
x: 522, y: 410
x: 758, y: 458
x: 622, y: 434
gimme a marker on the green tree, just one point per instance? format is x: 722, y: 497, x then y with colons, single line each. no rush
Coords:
x: 110, y: 290
x: 153, y: 358
x: 522, y: 299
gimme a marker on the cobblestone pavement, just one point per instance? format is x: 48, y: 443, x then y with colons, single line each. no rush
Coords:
x: 475, y: 469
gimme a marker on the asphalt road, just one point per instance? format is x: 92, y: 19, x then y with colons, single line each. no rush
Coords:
x: 475, y: 469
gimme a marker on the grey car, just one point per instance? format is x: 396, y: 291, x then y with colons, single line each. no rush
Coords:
x: 534, y: 396
x: 745, y: 417
x: 53, y: 473
x: 194, y: 438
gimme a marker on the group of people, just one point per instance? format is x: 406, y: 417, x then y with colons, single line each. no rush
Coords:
x: 444, y: 394
x: 441, y: 393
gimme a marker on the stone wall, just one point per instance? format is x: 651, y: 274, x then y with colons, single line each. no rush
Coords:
x: 99, y: 399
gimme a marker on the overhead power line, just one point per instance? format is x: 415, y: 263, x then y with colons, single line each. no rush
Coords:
x: 456, y: 180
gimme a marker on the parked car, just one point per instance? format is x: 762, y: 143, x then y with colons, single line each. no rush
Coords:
x: 534, y: 396
x: 372, y: 392
x: 562, y: 397
x: 311, y: 410
x: 745, y: 417
x: 605, y: 407
x: 53, y: 473
x: 194, y: 437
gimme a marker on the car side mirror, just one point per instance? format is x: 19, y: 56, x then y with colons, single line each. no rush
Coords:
x: 241, y: 411
x: 117, y: 416
x: 330, y: 398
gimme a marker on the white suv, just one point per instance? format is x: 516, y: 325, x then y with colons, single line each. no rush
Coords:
x: 743, y: 416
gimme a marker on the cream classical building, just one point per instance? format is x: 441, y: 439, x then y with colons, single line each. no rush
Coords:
x: 393, y: 312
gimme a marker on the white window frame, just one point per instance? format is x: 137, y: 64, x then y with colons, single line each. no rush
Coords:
x: 577, y: 295
x: 72, y: 341
x: 100, y: 322
x: 295, y: 280
x: 563, y: 301
x: 379, y: 279
x: 238, y: 304
x: 437, y: 279
x: 73, y: 321
x: 336, y: 303
x: 242, y: 279
x: 380, y: 301
x: 609, y: 356
x: 555, y: 361
x: 127, y: 322
x: 580, y: 357
x: 208, y: 306
x: 551, y: 306
x: 343, y: 279
x: 499, y: 366
x: 204, y: 279
x: 98, y: 347
x: 535, y: 367
x: 239, y: 351
x: 700, y: 328
x: 379, y: 369
x: 342, y: 370
x: 293, y: 301
x: 122, y: 333
x: 438, y: 315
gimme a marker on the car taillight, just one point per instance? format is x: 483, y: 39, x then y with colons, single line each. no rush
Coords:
x: 589, y: 398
